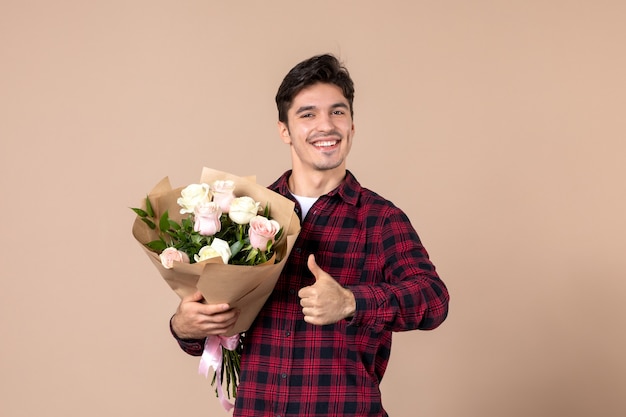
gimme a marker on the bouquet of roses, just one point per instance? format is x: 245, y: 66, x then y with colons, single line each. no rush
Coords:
x: 227, y: 237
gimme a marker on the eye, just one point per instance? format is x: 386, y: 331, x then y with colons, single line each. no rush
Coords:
x: 339, y: 112
x: 306, y: 115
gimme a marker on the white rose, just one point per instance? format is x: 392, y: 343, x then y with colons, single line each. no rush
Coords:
x: 242, y: 209
x: 218, y: 248
x: 206, y: 252
x: 191, y: 196
x: 223, y: 248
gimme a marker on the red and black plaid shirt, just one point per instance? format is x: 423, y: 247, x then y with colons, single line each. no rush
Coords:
x: 292, y: 368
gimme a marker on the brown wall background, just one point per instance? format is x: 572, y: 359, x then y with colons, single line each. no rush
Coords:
x: 497, y: 126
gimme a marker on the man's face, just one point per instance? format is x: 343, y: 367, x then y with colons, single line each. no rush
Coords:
x: 319, y: 128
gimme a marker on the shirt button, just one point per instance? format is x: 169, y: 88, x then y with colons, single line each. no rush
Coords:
x: 298, y: 250
x: 292, y: 291
x: 283, y: 376
x: 287, y: 333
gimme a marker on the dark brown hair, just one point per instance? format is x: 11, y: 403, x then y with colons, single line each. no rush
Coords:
x: 318, y: 69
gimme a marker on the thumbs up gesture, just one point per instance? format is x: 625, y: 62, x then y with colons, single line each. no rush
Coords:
x: 326, y: 301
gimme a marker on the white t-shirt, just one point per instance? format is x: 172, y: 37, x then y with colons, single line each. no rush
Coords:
x: 305, y: 203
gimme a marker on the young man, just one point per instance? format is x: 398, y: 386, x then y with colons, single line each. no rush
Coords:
x: 357, y: 272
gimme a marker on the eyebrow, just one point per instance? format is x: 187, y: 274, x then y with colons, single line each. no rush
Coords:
x: 309, y: 108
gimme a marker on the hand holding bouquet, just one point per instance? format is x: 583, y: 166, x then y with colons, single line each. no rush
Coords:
x: 225, y: 236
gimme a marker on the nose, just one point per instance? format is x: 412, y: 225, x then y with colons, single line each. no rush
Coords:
x: 326, y: 123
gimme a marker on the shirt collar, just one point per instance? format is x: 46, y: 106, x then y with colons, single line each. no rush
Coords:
x: 348, y: 190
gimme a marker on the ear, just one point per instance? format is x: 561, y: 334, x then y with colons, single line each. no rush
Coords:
x: 283, y: 132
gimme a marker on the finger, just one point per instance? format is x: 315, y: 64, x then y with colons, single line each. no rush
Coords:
x: 223, y: 321
x: 305, y: 292
x: 313, y: 267
x: 306, y: 302
x: 314, y: 320
x: 217, y: 328
x: 211, y: 309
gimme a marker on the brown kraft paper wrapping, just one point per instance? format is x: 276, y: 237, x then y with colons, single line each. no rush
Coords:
x: 243, y: 287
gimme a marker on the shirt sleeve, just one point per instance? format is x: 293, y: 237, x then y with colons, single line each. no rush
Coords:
x: 193, y: 347
x: 408, y: 294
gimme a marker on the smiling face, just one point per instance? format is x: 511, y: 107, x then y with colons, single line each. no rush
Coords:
x: 319, y: 129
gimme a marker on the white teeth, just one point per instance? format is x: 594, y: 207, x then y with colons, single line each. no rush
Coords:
x: 326, y: 143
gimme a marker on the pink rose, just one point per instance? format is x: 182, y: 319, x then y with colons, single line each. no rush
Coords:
x: 262, y: 230
x: 171, y: 255
x: 223, y: 194
x: 207, y: 218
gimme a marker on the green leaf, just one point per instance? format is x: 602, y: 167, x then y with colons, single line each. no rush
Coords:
x: 149, y: 222
x: 174, y: 225
x: 186, y: 223
x: 236, y: 247
x: 149, y: 208
x: 196, y: 238
x: 252, y: 255
x: 141, y: 213
x: 164, y: 222
x: 157, y: 245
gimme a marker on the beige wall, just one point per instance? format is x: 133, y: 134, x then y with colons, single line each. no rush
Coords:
x: 497, y: 126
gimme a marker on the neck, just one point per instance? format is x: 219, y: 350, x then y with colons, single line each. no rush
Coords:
x: 316, y: 183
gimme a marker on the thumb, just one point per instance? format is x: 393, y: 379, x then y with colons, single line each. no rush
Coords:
x: 313, y: 267
x: 197, y: 296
